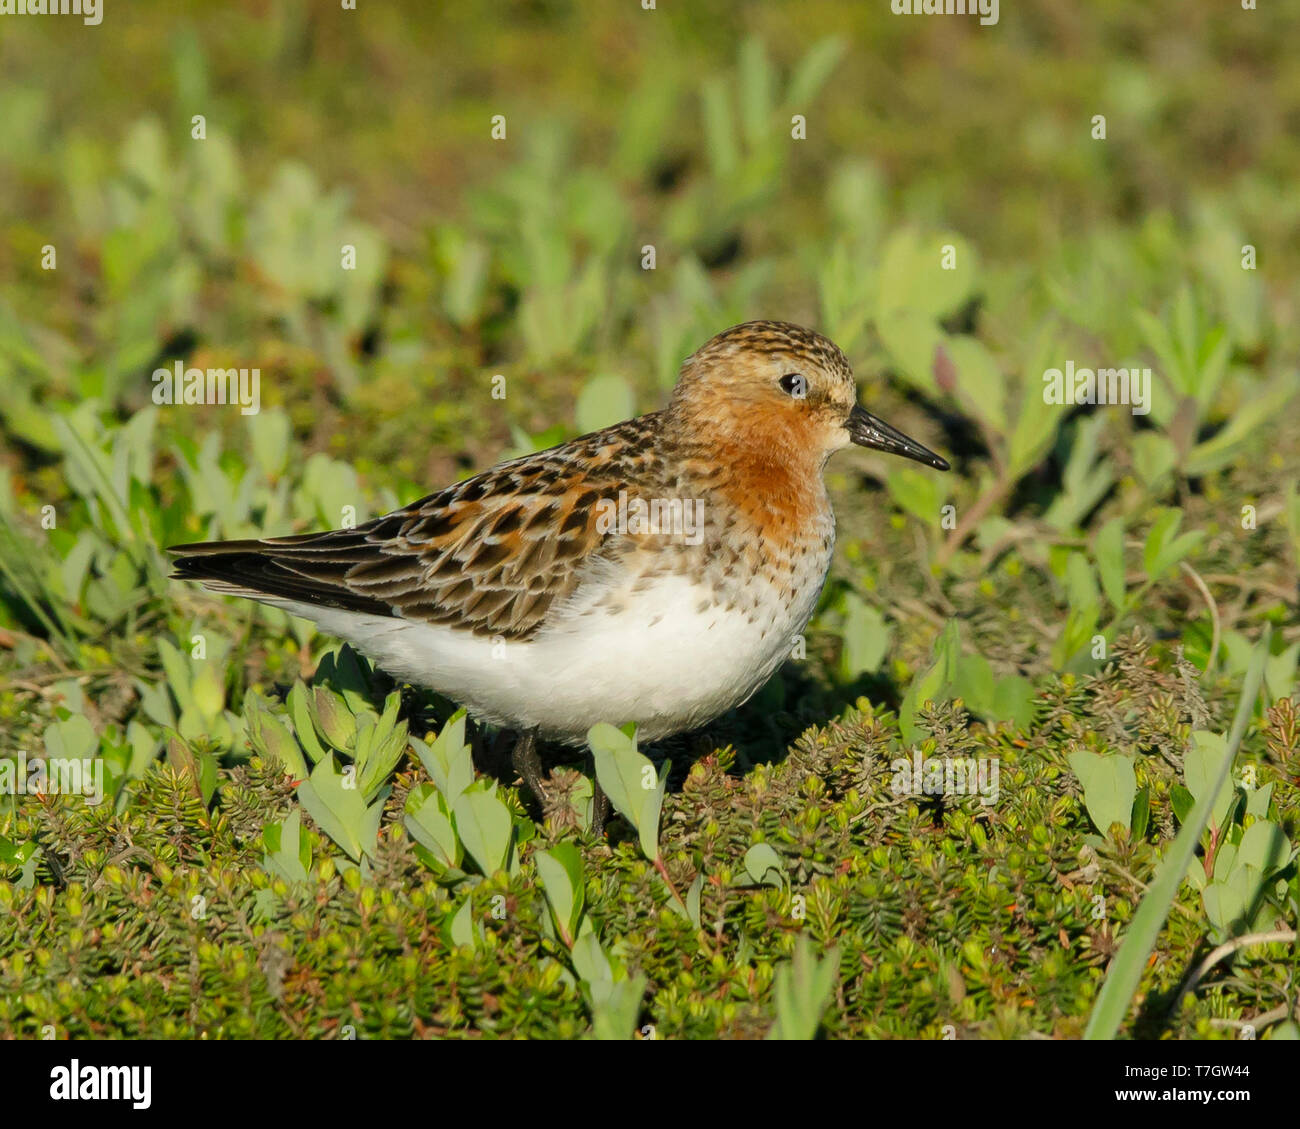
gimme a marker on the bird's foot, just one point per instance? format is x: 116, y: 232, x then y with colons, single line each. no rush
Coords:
x: 600, y: 808
x: 528, y: 765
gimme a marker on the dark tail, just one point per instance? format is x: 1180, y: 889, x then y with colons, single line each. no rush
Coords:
x: 311, y: 568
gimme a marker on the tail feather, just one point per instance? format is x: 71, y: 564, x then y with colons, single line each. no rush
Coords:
x: 309, y: 569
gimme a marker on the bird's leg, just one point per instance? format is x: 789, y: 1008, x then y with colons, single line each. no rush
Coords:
x: 600, y: 808
x: 528, y: 764
x: 600, y: 805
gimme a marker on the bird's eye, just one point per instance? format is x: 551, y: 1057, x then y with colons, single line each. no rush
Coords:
x: 794, y: 384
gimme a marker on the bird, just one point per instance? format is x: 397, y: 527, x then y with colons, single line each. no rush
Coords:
x: 657, y: 571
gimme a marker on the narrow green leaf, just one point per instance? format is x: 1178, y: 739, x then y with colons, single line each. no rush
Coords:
x: 430, y: 826
x: 448, y: 760
x: 300, y: 711
x: 560, y: 870
x: 1141, y: 813
x: 1125, y: 972
x: 802, y: 988
x: 1110, y: 561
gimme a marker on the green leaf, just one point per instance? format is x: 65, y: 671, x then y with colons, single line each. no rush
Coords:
x: 651, y: 806
x: 1226, y: 904
x: 288, y: 851
x: 1280, y: 672
x: 1013, y: 701
x: 1086, y: 476
x: 1227, y: 444
x: 866, y: 638
x: 693, y: 899
x: 980, y: 380
x: 1081, y: 586
x: 269, y: 434
x: 344, y: 672
x: 73, y: 739
x: 812, y: 72
x: 1141, y: 813
x: 1037, y: 421
x: 613, y: 748
x: 200, y: 765
x: 912, y: 277
x: 560, y: 870
x: 615, y: 1008
x: 614, y: 997
x: 463, y: 929
x: 802, y: 989
x: 334, y: 721
x: 339, y: 811
x: 1109, y: 787
x: 911, y: 338
x: 448, y: 760
x: 484, y: 826
x: 589, y: 960
x: 271, y: 739
x: 180, y: 676
x: 303, y: 726
x: 1109, y: 552
x: 630, y: 781
x: 17, y: 854
x: 1264, y: 846
x: 604, y: 400
x: 1201, y: 769
x: 1154, y: 456
x: 917, y: 494
x: 1163, y: 548
x: 1258, y: 799
x: 975, y: 684
x: 380, y: 744
x: 429, y: 822
x: 764, y: 866
x: 935, y: 684
x: 25, y: 856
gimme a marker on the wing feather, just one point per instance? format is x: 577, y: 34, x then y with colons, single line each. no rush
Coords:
x: 490, y: 555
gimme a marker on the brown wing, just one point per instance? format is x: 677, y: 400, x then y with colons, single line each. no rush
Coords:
x: 489, y: 555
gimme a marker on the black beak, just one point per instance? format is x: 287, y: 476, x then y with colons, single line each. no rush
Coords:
x: 867, y: 431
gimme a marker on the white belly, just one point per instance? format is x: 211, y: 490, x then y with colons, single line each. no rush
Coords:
x: 660, y: 658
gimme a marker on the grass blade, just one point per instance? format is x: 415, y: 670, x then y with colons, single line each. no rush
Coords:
x: 1125, y: 972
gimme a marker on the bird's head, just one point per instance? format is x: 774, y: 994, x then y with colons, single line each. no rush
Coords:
x: 772, y: 387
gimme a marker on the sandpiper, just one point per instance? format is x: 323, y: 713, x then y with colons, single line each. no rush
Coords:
x: 656, y: 571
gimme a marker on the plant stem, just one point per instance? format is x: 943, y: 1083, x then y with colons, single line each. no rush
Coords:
x: 971, y: 518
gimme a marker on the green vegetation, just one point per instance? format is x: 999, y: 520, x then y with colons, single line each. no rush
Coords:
x: 292, y: 845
